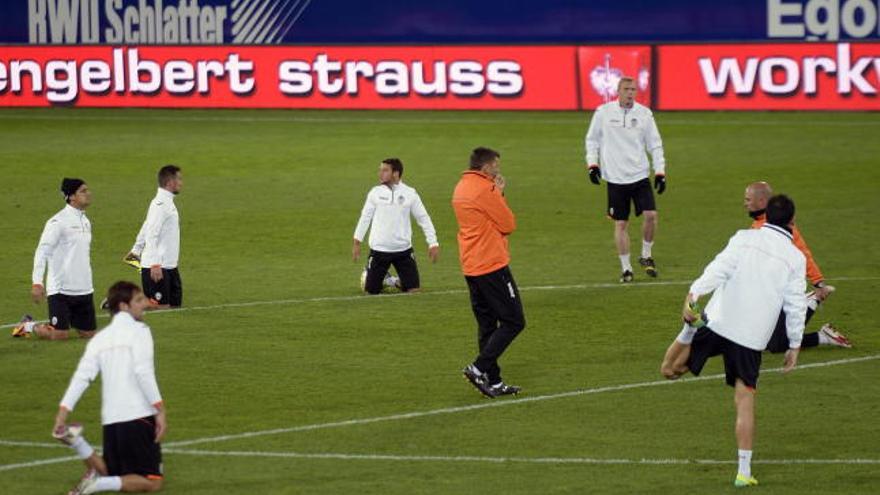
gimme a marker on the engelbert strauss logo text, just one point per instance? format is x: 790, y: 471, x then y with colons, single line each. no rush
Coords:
x: 169, y: 22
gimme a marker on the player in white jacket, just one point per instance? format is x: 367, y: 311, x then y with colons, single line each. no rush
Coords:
x: 760, y: 273
x: 620, y: 134
x: 157, y: 246
x: 64, y: 249
x: 386, y: 213
x: 132, y: 410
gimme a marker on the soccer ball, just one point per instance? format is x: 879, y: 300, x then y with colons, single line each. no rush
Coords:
x: 390, y: 284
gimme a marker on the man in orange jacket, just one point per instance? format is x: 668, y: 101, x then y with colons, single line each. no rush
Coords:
x: 756, y: 196
x: 484, y: 222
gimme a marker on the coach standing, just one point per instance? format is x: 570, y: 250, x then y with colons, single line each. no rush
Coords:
x: 619, y: 134
x: 484, y: 222
x: 158, y: 243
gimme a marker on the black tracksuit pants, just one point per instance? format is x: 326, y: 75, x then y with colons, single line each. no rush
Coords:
x: 498, y: 309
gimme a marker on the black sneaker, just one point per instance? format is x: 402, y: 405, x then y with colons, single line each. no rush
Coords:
x: 648, y: 265
x: 626, y: 277
x: 478, y: 380
x: 502, y: 388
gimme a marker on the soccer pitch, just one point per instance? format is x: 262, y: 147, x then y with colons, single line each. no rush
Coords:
x: 279, y: 377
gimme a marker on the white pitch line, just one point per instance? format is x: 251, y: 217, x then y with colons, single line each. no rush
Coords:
x: 362, y: 297
x: 451, y: 410
x: 42, y: 445
x: 489, y: 404
x: 500, y: 460
x: 575, y: 121
x: 54, y: 460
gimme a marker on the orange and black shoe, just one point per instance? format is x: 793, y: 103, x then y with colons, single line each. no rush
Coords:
x: 648, y: 265
x: 24, y: 328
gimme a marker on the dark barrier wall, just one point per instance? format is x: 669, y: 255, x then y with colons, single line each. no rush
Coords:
x: 243, y: 22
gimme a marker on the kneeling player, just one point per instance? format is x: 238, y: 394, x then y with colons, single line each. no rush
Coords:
x: 132, y: 411
x: 386, y: 213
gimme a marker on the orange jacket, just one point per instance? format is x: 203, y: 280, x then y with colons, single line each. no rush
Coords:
x: 484, y: 222
x: 813, y: 272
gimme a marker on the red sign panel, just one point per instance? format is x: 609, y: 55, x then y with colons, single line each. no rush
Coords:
x: 465, y: 77
x: 601, y: 67
x: 808, y: 76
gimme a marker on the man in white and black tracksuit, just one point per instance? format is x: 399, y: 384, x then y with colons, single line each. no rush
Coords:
x: 386, y: 213
x: 759, y: 273
x: 620, y: 134
x: 132, y: 409
x: 64, y: 248
x: 158, y: 243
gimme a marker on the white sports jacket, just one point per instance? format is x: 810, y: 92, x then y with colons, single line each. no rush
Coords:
x: 123, y: 354
x: 389, y: 209
x: 757, y: 274
x: 158, y: 242
x: 64, y: 246
x: 617, y: 140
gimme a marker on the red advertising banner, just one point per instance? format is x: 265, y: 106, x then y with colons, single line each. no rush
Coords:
x: 808, y: 76
x: 367, y: 77
x: 601, y: 67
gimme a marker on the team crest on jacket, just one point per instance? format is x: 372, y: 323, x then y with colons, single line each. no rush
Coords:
x: 634, y: 122
x: 401, y: 199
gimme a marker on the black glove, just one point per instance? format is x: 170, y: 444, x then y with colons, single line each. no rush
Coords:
x: 594, y: 175
x: 660, y: 183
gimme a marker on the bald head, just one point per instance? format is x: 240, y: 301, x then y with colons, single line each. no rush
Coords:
x: 757, y: 195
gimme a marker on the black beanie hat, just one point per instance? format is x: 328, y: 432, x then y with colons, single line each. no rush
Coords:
x: 70, y: 186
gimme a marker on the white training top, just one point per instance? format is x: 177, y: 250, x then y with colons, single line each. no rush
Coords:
x: 757, y: 274
x: 389, y: 209
x: 64, y: 246
x: 123, y: 354
x: 158, y: 242
x: 617, y: 141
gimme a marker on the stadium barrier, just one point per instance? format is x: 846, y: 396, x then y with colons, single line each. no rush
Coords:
x: 794, y: 76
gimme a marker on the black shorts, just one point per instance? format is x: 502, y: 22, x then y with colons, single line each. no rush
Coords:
x: 130, y: 448
x: 620, y: 196
x: 76, y: 311
x: 168, y: 291
x: 739, y: 362
x: 404, y: 263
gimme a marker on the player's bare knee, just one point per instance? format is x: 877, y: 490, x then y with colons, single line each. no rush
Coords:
x: 155, y: 485
x: 86, y: 334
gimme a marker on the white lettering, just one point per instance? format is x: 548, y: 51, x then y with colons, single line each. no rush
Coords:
x: 352, y: 70
x: 505, y: 78
x: 812, y: 65
x: 324, y: 68
x: 392, y: 78
x: 466, y: 78
x: 136, y: 67
x: 95, y: 76
x: 830, y: 27
x: 61, y: 89
x: 776, y: 28
x: 849, y: 75
x: 36, y: 21
x: 62, y: 18
x: 869, y: 18
x: 178, y: 76
x: 17, y: 68
x: 205, y: 69
x: 728, y: 72
x: 295, y: 77
x: 113, y: 34
x: 3, y: 76
x: 236, y: 69
x: 791, y: 78
x: 438, y: 87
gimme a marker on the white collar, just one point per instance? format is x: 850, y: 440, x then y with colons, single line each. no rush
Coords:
x: 165, y: 193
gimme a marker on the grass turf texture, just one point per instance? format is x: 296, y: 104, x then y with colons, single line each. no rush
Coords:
x: 269, y: 204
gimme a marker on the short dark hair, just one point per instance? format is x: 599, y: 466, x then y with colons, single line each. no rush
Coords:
x: 167, y: 173
x: 780, y: 210
x: 395, y: 164
x: 481, y: 156
x: 118, y: 293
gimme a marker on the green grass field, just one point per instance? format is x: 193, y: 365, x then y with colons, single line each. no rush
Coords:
x: 321, y: 390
